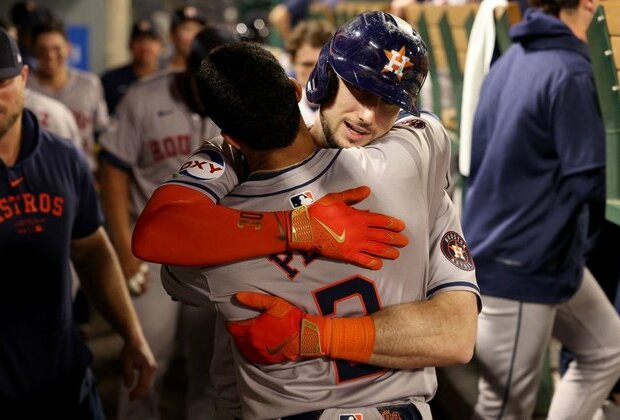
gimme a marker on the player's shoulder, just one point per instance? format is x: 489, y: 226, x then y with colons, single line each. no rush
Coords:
x: 63, y: 152
x: 152, y: 85
x: 426, y: 128
x: 38, y: 100
x: 84, y: 77
x: 116, y: 73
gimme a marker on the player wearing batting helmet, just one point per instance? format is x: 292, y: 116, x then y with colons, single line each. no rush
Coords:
x: 357, y: 117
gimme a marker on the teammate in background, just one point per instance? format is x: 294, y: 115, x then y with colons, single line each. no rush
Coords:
x: 283, y: 162
x: 304, y: 47
x: 145, y: 46
x: 536, y: 191
x: 185, y: 23
x: 80, y: 91
x: 50, y: 214
x: 157, y: 126
x: 52, y: 114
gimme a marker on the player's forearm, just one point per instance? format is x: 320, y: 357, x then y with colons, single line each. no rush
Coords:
x: 437, y: 332
x: 102, y: 280
x: 115, y: 201
x: 190, y: 230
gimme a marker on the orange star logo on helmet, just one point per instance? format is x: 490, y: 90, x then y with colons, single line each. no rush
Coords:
x: 398, y: 62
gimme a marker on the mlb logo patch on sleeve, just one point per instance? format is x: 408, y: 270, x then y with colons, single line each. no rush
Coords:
x: 356, y: 416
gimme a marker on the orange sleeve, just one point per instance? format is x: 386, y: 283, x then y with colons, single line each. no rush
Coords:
x: 181, y: 226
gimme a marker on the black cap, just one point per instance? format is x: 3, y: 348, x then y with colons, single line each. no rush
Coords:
x: 143, y: 28
x: 187, y: 14
x: 10, y: 59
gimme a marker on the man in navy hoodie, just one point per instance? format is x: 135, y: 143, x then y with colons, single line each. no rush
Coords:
x: 49, y: 214
x: 536, y: 192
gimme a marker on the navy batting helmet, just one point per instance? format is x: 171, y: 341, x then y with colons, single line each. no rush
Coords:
x: 376, y: 52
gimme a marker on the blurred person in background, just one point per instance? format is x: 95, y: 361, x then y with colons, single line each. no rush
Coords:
x: 304, y: 47
x: 79, y: 90
x: 185, y: 23
x: 53, y: 115
x: 145, y: 46
x: 157, y: 125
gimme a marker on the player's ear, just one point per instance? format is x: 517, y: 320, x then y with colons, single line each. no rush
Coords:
x: 297, y: 87
x: 231, y: 140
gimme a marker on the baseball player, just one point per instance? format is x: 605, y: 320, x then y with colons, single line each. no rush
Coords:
x: 536, y: 187
x: 338, y: 380
x: 185, y: 23
x: 49, y: 216
x: 53, y: 115
x: 145, y: 46
x: 80, y: 91
x: 156, y: 127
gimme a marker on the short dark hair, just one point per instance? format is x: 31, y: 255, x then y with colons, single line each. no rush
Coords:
x: 248, y: 95
x: 553, y: 7
x: 48, y: 26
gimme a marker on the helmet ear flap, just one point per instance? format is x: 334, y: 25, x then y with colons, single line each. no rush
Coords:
x: 320, y: 81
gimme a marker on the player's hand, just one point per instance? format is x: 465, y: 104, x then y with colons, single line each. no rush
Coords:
x: 137, y: 356
x: 334, y: 229
x: 280, y: 333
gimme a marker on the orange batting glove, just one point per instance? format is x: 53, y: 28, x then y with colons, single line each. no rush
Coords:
x: 335, y: 230
x: 283, y: 332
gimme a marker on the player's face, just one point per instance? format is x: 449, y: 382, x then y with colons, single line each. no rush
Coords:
x: 11, y: 100
x: 354, y: 117
x: 183, y: 35
x: 52, y: 51
x: 145, y: 50
x: 305, y: 60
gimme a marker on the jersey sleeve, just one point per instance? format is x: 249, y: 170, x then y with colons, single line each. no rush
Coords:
x: 214, y: 169
x: 451, y: 263
x: 102, y: 118
x: 89, y: 216
x: 186, y: 285
x: 121, y: 142
x: 577, y: 125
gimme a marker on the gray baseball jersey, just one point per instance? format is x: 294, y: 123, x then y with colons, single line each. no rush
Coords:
x: 406, y: 171
x: 53, y: 115
x: 83, y: 95
x: 152, y: 135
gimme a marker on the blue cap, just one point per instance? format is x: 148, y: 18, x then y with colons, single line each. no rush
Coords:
x: 10, y: 58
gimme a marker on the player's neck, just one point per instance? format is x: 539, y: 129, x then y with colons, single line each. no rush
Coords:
x: 142, y: 69
x: 278, y: 159
x: 54, y: 81
x: 10, y: 143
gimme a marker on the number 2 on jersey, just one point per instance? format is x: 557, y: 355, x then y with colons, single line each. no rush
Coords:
x: 327, y: 297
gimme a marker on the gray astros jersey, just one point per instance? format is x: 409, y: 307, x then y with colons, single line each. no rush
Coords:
x: 153, y: 134
x: 406, y: 171
x: 53, y: 115
x: 83, y: 95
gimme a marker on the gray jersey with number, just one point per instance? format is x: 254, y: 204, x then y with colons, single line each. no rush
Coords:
x: 152, y: 134
x: 406, y: 171
x: 83, y: 95
x: 53, y: 115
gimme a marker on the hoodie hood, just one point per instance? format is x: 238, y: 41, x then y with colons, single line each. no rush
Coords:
x: 539, y: 31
